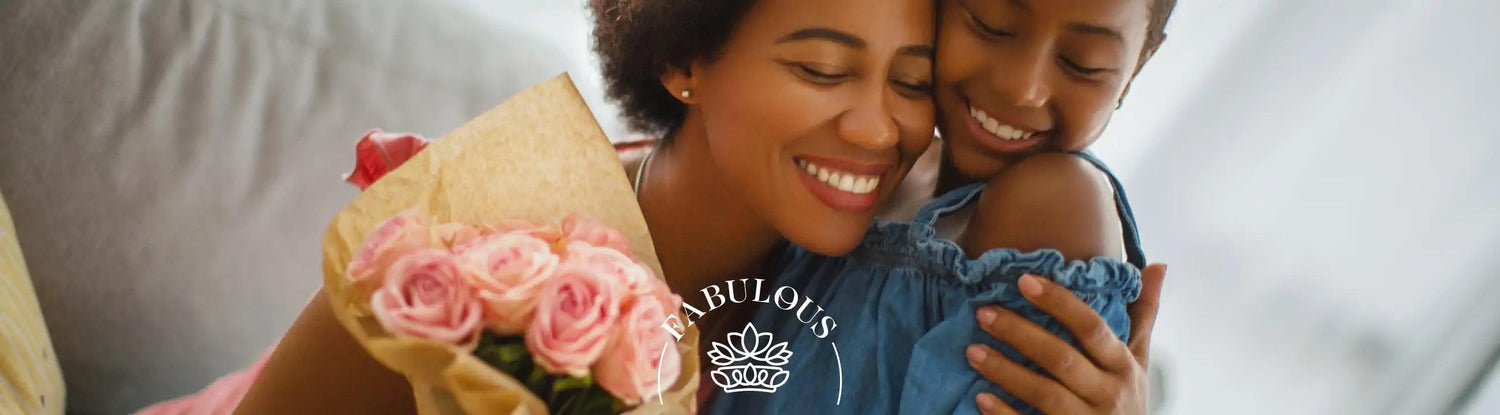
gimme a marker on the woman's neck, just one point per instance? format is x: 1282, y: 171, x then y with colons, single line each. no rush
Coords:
x: 703, y: 231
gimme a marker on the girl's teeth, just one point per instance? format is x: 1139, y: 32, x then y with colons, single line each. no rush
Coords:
x: 847, y: 182
x: 1005, y: 132
x: 995, y: 127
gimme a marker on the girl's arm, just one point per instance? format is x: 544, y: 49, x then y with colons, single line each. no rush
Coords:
x: 1051, y: 200
x: 1108, y: 377
x: 319, y: 368
x: 1063, y: 202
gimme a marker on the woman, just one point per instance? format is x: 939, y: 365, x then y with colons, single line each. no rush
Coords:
x: 758, y: 88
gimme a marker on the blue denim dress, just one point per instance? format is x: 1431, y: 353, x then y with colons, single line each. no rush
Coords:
x: 904, y: 303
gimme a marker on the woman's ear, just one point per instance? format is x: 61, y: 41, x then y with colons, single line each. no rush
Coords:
x: 679, y: 81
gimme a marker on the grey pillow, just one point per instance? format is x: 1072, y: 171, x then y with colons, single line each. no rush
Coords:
x: 172, y: 165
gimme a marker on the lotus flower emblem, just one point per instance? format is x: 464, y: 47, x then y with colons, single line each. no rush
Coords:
x: 750, y: 361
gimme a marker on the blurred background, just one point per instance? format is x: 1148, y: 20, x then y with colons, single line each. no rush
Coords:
x: 1317, y: 173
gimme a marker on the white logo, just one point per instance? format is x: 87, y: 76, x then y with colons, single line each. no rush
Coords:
x: 750, y: 362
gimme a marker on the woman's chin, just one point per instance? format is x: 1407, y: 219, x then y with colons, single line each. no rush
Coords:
x: 831, y: 239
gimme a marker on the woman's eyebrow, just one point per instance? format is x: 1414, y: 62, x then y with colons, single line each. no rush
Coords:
x: 921, y: 51
x: 823, y: 33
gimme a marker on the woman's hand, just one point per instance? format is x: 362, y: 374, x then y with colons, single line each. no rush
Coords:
x: 1109, y: 379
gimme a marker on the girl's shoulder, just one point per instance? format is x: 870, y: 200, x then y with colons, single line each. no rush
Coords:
x: 1054, y: 200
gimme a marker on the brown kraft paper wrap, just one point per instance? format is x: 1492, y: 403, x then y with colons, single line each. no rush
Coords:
x: 538, y: 156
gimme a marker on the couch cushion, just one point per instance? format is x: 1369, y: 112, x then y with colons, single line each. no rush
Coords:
x: 171, y: 165
x: 30, y: 381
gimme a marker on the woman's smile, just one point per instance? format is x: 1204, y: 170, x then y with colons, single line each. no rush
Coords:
x: 842, y: 184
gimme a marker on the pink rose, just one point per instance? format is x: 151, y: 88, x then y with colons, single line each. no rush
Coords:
x: 507, y: 272
x: 578, y: 227
x: 628, y: 369
x: 379, y: 152
x: 402, y: 234
x: 615, y: 265
x: 574, y: 320
x: 659, y: 291
x: 424, y: 296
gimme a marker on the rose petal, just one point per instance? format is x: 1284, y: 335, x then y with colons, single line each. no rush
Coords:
x: 379, y: 152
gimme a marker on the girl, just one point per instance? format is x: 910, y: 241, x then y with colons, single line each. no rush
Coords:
x: 1020, y: 85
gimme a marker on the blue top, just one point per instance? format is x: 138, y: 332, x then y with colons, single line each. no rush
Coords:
x: 904, y: 303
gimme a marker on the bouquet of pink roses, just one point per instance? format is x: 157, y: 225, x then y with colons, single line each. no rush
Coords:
x: 567, y: 311
x: 449, y: 269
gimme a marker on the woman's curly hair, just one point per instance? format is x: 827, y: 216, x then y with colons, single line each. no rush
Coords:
x: 638, y: 40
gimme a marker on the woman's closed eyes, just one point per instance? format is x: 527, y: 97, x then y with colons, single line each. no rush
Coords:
x: 826, y: 42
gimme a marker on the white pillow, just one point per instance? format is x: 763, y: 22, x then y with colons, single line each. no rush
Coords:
x: 171, y: 165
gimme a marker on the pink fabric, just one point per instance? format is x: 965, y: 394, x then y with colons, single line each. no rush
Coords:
x: 219, y: 398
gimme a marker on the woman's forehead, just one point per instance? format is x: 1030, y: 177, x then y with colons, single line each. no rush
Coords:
x: 907, y: 19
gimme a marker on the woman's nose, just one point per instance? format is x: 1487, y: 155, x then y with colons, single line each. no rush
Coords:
x: 869, y: 123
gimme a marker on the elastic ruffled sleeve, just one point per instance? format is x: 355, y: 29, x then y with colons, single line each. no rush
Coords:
x: 939, y: 378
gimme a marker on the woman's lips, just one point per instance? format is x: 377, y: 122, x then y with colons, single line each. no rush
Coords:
x: 844, y: 185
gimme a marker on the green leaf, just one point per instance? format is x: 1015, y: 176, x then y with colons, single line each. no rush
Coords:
x: 506, y: 353
x: 540, y: 383
x: 570, y: 382
x: 563, y: 394
x: 511, y: 353
x: 593, y: 400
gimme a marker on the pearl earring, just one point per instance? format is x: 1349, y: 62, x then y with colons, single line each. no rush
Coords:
x: 686, y: 93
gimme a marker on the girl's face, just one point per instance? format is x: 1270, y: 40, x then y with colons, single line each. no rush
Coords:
x: 1017, y: 77
x: 816, y: 109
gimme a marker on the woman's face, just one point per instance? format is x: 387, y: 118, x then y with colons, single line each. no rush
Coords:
x: 1017, y: 77
x: 816, y: 108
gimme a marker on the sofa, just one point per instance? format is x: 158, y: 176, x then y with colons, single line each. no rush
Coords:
x: 171, y: 165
